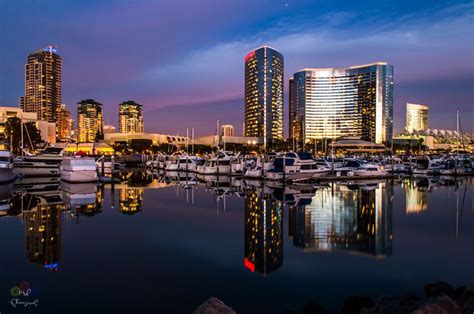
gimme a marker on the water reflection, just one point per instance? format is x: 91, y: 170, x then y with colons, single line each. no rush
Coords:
x: 42, y: 218
x: 352, y: 217
x: 263, y: 232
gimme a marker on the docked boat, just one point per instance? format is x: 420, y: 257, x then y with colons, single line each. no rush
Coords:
x: 295, y: 167
x: 261, y: 167
x: 427, y: 166
x: 46, y: 163
x: 219, y: 165
x: 370, y: 170
x: 6, y: 167
x: 184, y: 163
x: 453, y: 167
x: 106, y: 164
x: 80, y: 170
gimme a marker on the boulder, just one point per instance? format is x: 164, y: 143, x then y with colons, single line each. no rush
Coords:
x: 468, y: 306
x: 354, y: 304
x: 314, y: 308
x: 439, y: 305
x: 397, y: 305
x: 437, y: 288
x: 463, y: 294
x: 213, y: 306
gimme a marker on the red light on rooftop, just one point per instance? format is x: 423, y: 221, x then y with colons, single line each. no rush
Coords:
x: 248, y: 264
x: 250, y: 55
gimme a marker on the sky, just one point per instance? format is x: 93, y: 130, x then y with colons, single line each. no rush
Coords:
x: 184, y: 60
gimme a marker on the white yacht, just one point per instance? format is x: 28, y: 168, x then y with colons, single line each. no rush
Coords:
x: 46, y: 163
x: 369, y: 170
x: 80, y: 170
x: 219, y: 165
x: 295, y: 167
x: 106, y: 164
x: 455, y: 166
x: 6, y: 167
x: 184, y: 163
x: 427, y: 166
x: 261, y: 167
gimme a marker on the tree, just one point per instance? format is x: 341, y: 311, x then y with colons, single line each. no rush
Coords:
x: 31, y: 135
x: 140, y: 145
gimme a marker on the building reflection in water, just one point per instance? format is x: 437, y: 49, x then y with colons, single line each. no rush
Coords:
x: 357, y: 218
x: 416, y: 197
x: 131, y: 200
x: 42, y: 217
x: 263, y: 233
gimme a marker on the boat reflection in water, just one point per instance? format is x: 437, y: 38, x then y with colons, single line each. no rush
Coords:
x: 357, y: 218
x: 263, y: 232
x: 83, y: 199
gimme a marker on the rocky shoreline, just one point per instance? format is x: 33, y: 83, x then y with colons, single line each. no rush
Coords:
x: 440, y: 298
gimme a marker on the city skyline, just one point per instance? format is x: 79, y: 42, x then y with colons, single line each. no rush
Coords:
x: 432, y: 67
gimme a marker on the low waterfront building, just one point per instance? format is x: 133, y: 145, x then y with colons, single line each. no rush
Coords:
x: 122, y: 138
x: 356, y: 145
x: 47, y: 129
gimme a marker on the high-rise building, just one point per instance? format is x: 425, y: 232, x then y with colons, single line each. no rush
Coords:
x: 64, y: 124
x: 417, y: 117
x: 90, y: 121
x: 43, y: 84
x: 264, y: 94
x: 227, y: 130
x: 130, y: 117
x: 355, y: 101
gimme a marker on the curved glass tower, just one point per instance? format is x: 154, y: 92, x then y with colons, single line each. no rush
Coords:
x: 355, y: 101
x: 264, y: 94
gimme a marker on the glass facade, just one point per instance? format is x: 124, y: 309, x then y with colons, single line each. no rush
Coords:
x: 264, y: 94
x: 417, y: 117
x: 130, y: 117
x: 355, y: 101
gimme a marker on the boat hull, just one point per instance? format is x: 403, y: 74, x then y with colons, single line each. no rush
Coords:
x: 83, y: 176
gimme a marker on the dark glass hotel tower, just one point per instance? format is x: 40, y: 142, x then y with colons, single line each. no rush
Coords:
x: 355, y: 101
x: 264, y: 95
x: 43, y: 84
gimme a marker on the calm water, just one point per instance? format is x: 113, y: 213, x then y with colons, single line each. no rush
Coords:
x: 154, y: 246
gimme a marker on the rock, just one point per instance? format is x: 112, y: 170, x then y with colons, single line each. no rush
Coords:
x: 463, y: 294
x: 213, y: 306
x: 439, y: 305
x: 314, y: 308
x: 468, y: 306
x: 438, y: 288
x: 386, y: 305
x: 354, y: 304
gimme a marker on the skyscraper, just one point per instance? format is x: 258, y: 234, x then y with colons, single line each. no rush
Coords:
x: 130, y: 117
x: 43, y: 84
x: 354, y: 101
x: 417, y: 117
x: 64, y: 124
x: 227, y: 130
x: 264, y: 94
x: 89, y: 121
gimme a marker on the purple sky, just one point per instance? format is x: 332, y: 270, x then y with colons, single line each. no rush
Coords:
x: 183, y: 60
